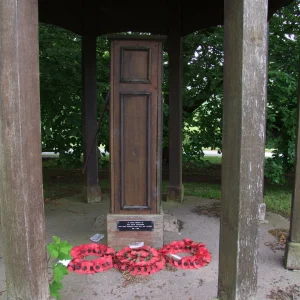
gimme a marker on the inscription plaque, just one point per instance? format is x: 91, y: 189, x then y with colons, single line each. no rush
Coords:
x: 135, y: 225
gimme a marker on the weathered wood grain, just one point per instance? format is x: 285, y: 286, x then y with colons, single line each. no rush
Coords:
x: 92, y: 191
x: 175, y: 187
x: 295, y: 213
x: 243, y: 146
x: 135, y: 125
x: 292, y: 254
x: 21, y: 186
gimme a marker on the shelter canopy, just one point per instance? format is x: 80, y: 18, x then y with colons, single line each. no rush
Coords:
x: 104, y: 17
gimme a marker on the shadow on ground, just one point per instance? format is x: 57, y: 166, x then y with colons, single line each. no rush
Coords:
x: 76, y: 222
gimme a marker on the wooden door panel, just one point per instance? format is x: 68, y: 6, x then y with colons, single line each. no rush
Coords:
x: 135, y: 151
x: 135, y: 125
x: 140, y: 58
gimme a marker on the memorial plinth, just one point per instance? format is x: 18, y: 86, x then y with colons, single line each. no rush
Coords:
x: 135, y: 141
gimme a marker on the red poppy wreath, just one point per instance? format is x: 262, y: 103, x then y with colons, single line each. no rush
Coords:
x: 200, y: 256
x: 104, y: 261
x: 140, y: 261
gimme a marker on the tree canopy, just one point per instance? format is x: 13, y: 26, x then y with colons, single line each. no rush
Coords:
x: 61, y: 91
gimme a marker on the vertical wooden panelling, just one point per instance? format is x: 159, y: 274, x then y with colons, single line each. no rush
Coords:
x: 140, y: 58
x: 135, y: 151
x: 135, y: 125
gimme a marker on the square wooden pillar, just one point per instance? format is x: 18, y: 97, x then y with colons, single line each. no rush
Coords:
x: 292, y: 253
x: 244, y: 120
x: 92, y: 190
x: 135, y: 138
x: 21, y: 184
x: 175, y: 186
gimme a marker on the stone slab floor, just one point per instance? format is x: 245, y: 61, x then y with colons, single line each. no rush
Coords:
x: 76, y: 222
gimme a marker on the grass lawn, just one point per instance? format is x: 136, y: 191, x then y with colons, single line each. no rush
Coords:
x: 278, y: 199
x: 59, y: 183
x: 213, y: 159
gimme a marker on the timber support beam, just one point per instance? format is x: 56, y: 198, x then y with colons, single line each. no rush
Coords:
x: 21, y: 183
x: 175, y: 186
x: 292, y: 253
x: 92, y: 190
x: 244, y: 120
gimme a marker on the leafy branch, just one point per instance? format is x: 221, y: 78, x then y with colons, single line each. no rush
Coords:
x: 58, y: 251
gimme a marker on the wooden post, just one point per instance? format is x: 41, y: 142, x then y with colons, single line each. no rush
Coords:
x: 135, y: 141
x: 92, y: 191
x: 21, y: 186
x: 243, y: 146
x: 263, y: 206
x: 175, y: 186
x: 292, y: 253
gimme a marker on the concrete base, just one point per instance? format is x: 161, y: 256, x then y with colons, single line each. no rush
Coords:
x: 175, y: 193
x: 171, y: 223
x: 92, y: 194
x: 292, y: 256
x: 200, y: 284
x: 120, y: 239
x: 262, y: 212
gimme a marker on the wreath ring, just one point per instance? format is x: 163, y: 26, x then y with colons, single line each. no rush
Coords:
x: 200, y: 255
x: 144, y: 260
x: 80, y: 265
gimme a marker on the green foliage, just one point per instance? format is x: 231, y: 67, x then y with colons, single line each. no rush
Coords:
x: 104, y: 161
x: 60, y: 77
x: 274, y: 170
x: 58, y: 250
x: 55, y: 287
x: 213, y: 159
x: 202, y: 93
x: 202, y: 130
x: 203, y: 190
x: 59, y: 271
x: 61, y: 92
x: 284, y: 48
x: 278, y: 199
